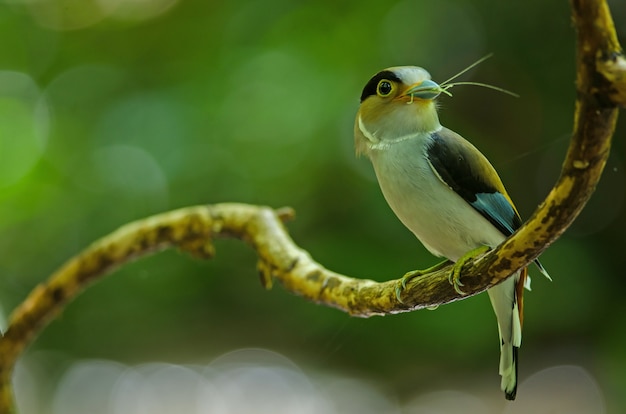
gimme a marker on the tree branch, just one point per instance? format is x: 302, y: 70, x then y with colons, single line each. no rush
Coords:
x: 601, y: 87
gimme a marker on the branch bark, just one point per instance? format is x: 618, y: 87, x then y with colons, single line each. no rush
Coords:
x: 601, y: 87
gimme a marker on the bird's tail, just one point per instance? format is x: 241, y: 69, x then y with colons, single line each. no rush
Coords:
x: 506, y: 299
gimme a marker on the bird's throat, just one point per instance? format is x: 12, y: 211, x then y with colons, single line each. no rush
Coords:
x: 385, y: 138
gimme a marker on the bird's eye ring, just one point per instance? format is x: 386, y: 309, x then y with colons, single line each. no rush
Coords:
x: 384, y: 88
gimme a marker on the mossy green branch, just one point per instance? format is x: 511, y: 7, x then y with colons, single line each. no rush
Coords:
x: 601, y: 80
x: 601, y: 66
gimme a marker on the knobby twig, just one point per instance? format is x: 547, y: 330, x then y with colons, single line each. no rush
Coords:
x: 601, y: 87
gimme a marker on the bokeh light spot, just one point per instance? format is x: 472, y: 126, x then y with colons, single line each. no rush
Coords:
x: 136, y: 10
x: 129, y: 169
x: 86, y: 387
x: 66, y: 14
x: 423, y: 40
x: 272, y: 110
x: 152, y: 122
x: 560, y: 389
x: 24, y: 124
x: 446, y: 402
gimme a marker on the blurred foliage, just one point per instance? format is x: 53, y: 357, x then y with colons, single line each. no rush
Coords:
x: 112, y: 110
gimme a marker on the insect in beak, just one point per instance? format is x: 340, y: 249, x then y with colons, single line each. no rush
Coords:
x: 427, y: 90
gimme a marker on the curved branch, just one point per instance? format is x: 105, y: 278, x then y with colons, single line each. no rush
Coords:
x: 601, y: 89
x: 601, y: 80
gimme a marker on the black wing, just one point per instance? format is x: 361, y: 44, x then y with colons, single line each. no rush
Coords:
x: 466, y: 171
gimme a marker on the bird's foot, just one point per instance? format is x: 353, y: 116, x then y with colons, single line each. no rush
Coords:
x: 415, y: 273
x: 455, y: 275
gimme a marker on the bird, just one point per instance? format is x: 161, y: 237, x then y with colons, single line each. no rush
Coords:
x: 443, y: 189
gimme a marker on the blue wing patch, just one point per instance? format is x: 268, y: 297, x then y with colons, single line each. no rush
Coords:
x: 497, y: 209
x: 465, y: 170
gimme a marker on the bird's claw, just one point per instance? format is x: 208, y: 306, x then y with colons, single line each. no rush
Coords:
x: 404, y: 280
x: 455, y: 279
x: 401, y: 286
x: 455, y: 275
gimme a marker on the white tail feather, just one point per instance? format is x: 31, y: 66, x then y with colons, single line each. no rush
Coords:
x: 504, y: 302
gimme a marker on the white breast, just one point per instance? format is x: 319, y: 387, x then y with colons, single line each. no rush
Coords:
x: 445, y: 223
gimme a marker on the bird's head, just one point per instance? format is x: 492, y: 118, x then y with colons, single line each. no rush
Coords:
x: 396, y: 103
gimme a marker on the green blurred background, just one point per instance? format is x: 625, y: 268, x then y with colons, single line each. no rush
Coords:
x: 113, y: 110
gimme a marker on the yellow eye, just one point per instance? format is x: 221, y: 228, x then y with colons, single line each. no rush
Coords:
x: 384, y: 88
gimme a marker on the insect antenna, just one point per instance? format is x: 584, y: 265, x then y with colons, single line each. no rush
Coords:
x: 484, y: 85
x: 445, y: 85
x: 473, y: 65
